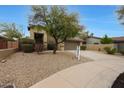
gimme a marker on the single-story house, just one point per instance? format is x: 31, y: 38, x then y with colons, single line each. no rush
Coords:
x: 119, y: 41
x: 46, y: 39
x: 93, y: 40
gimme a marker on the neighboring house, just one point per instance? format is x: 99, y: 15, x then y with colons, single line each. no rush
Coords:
x: 44, y: 38
x: 119, y: 41
x: 93, y: 40
x: 3, y: 42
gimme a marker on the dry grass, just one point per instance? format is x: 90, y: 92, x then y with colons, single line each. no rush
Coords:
x: 26, y: 69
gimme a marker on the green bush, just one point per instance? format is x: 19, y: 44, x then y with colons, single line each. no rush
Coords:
x: 26, y: 44
x: 122, y: 52
x: 50, y: 46
x: 83, y: 47
x: 110, y: 50
x: 27, y: 48
x: 106, y: 40
x: 26, y: 41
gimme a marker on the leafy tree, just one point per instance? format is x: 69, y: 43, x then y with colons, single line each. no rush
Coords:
x: 56, y: 20
x: 10, y: 30
x: 120, y: 13
x: 83, y: 34
x: 106, y: 40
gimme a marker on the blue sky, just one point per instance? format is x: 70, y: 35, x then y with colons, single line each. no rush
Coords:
x: 99, y: 20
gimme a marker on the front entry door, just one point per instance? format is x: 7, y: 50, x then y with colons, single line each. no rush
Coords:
x: 39, y: 38
x: 38, y: 42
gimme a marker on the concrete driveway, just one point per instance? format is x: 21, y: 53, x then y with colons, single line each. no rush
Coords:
x: 99, y: 73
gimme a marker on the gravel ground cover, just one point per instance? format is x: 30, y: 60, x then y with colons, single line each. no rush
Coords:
x: 26, y: 69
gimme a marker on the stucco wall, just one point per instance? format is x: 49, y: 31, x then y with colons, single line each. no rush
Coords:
x: 6, y: 52
x: 61, y: 46
x: 50, y: 39
x: 99, y: 46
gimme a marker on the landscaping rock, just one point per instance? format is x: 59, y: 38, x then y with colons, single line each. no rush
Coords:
x: 3, y: 61
x: 26, y: 69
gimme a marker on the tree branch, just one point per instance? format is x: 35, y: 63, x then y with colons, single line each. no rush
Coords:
x: 63, y: 39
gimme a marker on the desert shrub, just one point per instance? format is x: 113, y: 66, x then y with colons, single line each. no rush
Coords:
x: 122, y: 52
x: 99, y: 49
x: 27, y: 48
x: 107, y: 48
x: 50, y: 46
x: 110, y: 50
x: 27, y: 45
x: 83, y: 47
x: 26, y: 41
x: 106, y: 40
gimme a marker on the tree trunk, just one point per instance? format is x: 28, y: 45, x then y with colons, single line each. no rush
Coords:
x: 55, y: 48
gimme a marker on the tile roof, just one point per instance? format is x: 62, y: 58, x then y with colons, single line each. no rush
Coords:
x: 118, y: 38
x: 75, y: 39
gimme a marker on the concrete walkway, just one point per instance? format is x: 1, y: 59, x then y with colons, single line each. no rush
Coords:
x: 99, y: 73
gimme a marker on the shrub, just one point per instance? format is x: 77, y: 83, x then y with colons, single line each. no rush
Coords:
x: 106, y: 40
x: 27, y: 48
x: 27, y: 45
x: 26, y: 41
x: 83, y: 47
x: 99, y: 49
x: 107, y: 48
x: 110, y: 50
x: 122, y: 52
x: 50, y: 46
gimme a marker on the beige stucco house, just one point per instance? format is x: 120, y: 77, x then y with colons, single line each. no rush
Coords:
x: 45, y: 38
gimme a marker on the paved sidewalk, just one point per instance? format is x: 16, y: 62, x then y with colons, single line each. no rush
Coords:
x: 99, y: 73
